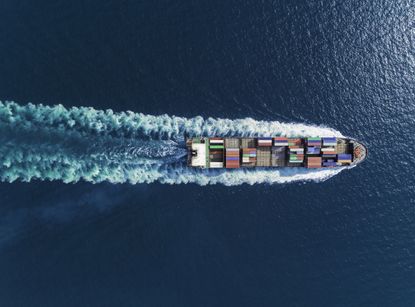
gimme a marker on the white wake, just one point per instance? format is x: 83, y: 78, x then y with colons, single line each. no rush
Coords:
x: 40, y: 142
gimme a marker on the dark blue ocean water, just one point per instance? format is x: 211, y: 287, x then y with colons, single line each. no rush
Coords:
x: 348, y: 241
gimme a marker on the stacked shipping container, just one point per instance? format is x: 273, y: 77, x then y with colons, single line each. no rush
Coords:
x: 329, y: 163
x: 216, y: 152
x: 278, y: 156
x: 314, y: 146
x: 296, y: 150
x: 329, y: 147
x: 226, y: 152
x: 281, y: 141
x: 316, y: 142
x: 313, y: 150
x: 329, y: 141
x: 344, y: 158
x: 232, y: 158
x: 263, y: 156
x: 248, y: 155
x: 232, y: 143
x: 216, y: 143
x: 313, y: 162
x: 266, y: 142
x: 294, y: 142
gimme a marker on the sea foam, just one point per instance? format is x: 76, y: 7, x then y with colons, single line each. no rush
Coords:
x: 39, y: 142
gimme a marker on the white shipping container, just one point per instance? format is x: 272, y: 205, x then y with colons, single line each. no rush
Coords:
x: 216, y: 141
x: 280, y: 144
x: 216, y: 164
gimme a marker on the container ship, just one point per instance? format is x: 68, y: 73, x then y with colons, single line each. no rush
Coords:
x: 310, y: 152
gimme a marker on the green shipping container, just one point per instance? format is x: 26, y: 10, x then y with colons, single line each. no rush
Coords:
x: 216, y: 146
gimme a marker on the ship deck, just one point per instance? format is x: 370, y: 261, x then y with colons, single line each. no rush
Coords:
x: 267, y: 152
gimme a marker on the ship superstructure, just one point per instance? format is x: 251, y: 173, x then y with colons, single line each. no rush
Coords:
x: 310, y: 152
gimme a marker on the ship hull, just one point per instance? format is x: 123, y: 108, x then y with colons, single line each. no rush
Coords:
x: 243, y: 152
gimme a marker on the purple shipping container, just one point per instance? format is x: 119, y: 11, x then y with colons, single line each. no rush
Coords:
x: 313, y: 150
x: 329, y: 164
x: 344, y: 156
